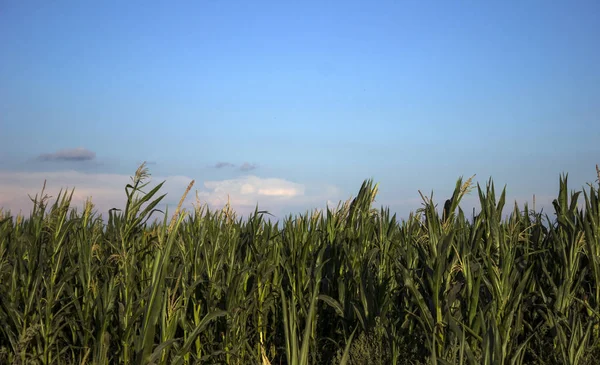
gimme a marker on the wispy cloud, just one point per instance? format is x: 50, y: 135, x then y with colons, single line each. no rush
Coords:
x: 74, y: 154
x: 220, y: 165
x: 248, y: 166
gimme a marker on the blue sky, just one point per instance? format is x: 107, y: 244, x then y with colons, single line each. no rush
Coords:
x: 316, y: 96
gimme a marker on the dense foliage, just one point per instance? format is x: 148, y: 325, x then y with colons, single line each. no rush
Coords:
x: 348, y: 285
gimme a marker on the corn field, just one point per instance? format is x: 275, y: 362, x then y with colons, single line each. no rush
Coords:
x: 350, y: 285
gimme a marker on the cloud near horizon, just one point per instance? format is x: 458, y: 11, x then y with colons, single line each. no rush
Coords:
x: 276, y: 195
x: 248, y: 190
x: 74, y: 154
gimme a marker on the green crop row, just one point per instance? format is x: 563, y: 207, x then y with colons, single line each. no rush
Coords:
x: 351, y: 285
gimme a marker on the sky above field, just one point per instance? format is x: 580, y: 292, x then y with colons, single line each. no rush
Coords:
x: 293, y: 104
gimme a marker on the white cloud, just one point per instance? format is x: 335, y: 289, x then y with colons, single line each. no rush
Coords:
x: 278, y: 196
x: 272, y: 194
